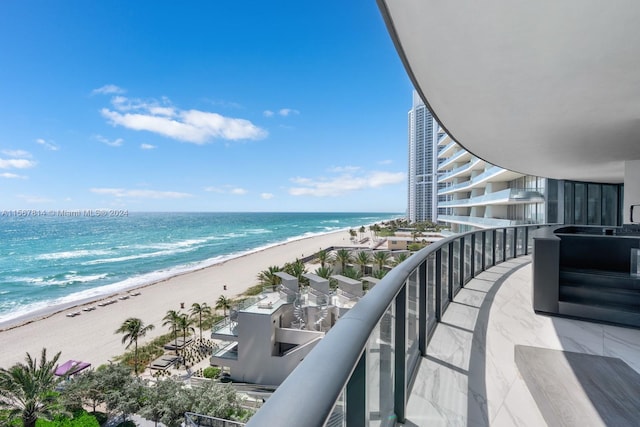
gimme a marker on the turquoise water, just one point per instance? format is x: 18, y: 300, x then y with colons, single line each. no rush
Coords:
x: 54, y: 260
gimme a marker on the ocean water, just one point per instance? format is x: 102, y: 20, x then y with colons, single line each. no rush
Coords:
x: 49, y: 260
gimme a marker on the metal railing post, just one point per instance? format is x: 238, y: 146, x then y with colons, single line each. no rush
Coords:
x: 438, y: 285
x: 493, y: 247
x: 450, y: 272
x: 400, y: 356
x: 356, y: 399
x: 472, y: 260
x: 423, y: 302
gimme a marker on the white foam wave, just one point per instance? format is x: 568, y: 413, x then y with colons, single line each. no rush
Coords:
x: 138, y: 256
x: 73, y: 254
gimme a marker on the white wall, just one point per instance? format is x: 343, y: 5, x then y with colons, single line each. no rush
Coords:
x: 631, y: 190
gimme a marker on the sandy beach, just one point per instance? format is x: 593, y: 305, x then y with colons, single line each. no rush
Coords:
x: 90, y: 336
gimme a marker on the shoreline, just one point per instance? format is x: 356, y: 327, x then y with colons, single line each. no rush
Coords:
x: 44, y: 313
x: 31, y: 332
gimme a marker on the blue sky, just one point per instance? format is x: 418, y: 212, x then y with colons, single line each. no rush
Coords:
x: 201, y: 106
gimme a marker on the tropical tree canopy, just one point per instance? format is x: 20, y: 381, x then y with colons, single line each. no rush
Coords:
x: 381, y: 259
x: 198, y: 311
x: 171, y: 320
x: 27, y: 390
x: 343, y: 256
x: 363, y: 258
x: 132, y: 330
x: 223, y: 303
x: 268, y: 277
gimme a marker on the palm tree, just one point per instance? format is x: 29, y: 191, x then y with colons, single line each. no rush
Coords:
x: 27, y: 390
x: 324, y: 272
x: 362, y: 259
x: 223, y: 303
x: 400, y: 258
x: 379, y: 274
x: 268, y: 277
x: 352, y: 273
x: 297, y: 269
x: 200, y: 310
x: 361, y: 231
x: 353, y: 233
x: 343, y: 256
x: 171, y: 320
x: 185, y: 324
x: 324, y: 257
x: 133, y: 328
x: 381, y: 258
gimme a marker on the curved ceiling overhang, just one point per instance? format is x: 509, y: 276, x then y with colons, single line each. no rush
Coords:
x: 544, y: 88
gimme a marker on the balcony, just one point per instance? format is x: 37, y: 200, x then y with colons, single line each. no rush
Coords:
x: 462, y: 171
x: 509, y: 196
x: 478, y: 221
x: 441, y: 341
x: 494, y: 173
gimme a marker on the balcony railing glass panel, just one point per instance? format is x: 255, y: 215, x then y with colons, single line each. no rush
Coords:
x: 467, y: 258
x: 488, y: 255
x: 431, y: 293
x: 380, y: 371
x: 478, y: 254
x: 455, y: 277
x: 372, y: 349
x: 413, y: 304
x: 499, y: 242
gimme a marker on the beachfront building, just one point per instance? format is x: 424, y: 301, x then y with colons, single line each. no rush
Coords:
x: 461, y: 332
x: 474, y: 194
x: 422, y: 181
x: 266, y: 337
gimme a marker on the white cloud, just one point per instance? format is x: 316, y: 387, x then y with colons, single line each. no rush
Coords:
x: 147, y: 146
x: 194, y: 126
x: 238, y: 191
x: 107, y: 90
x: 12, y: 176
x: 227, y: 189
x: 287, y: 112
x: 17, y: 153
x: 47, y: 144
x: 344, y: 169
x: 140, y: 194
x: 284, y: 112
x: 115, y: 143
x: 343, y: 184
x: 16, y: 163
x: 266, y: 196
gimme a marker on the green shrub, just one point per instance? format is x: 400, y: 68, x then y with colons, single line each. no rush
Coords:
x: 211, y: 372
x: 81, y: 419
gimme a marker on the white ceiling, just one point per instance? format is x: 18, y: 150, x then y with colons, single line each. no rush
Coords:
x: 547, y: 88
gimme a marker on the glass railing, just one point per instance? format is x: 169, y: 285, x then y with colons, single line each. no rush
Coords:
x: 457, y: 171
x: 455, y: 158
x: 361, y: 372
x: 469, y: 184
x: 478, y: 221
x: 514, y: 195
x: 447, y: 148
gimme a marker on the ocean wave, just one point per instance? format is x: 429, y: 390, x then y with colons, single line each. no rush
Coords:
x: 68, y: 279
x: 138, y: 256
x: 72, y: 254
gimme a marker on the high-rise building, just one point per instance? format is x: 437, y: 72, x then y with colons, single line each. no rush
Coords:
x: 422, y: 180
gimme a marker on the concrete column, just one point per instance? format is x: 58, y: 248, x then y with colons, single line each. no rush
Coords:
x: 631, y: 190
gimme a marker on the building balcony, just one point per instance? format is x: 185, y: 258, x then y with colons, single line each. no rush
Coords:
x: 444, y: 139
x: 449, y: 337
x: 509, y: 196
x: 459, y: 156
x: 448, y: 150
x: 462, y: 171
x: 478, y: 221
x: 493, y: 174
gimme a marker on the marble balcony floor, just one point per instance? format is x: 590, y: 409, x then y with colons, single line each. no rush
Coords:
x: 469, y: 376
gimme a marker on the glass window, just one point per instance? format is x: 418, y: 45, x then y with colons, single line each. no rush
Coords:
x: 594, y: 204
